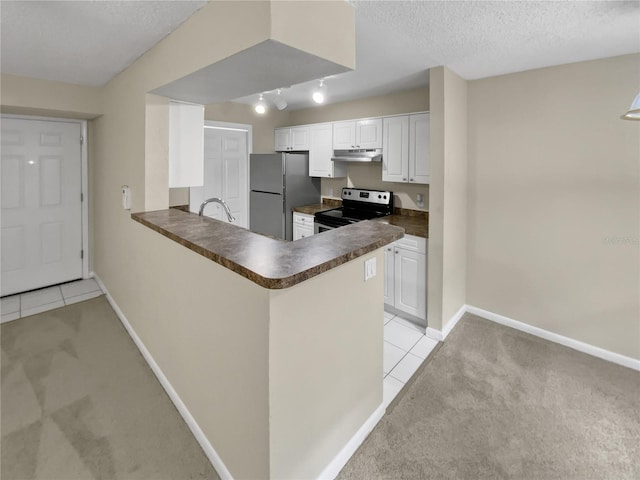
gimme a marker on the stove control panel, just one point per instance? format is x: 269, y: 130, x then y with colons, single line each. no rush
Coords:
x: 367, y: 196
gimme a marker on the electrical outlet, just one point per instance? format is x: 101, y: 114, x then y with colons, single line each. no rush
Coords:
x: 369, y: 269
x: 420, y: 200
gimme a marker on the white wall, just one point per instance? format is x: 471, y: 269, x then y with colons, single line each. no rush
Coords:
x: 554, y: 201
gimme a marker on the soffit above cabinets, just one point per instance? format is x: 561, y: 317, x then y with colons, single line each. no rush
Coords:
x: 265, y: 66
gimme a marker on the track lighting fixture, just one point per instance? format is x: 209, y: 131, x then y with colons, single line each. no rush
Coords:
x: 634, y: 110
x: 320, y: 93
x: 261, y: 106
x: 279, y: 100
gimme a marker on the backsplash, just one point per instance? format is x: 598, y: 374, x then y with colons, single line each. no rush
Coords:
x: 370, y: 176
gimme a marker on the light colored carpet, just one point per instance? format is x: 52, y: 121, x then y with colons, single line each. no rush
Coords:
x: 80, y: 402
x: 496, y: 403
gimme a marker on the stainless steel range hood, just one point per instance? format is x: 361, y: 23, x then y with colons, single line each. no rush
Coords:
x: 357, y: 156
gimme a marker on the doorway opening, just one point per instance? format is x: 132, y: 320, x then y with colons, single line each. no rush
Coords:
x: 227, y: 147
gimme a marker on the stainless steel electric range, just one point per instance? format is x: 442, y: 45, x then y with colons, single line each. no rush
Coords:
x: 357, y: 205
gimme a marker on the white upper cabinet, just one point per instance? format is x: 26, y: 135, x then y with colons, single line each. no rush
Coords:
x: 292, y: 139
x: 321, y: 151
x: 405, y: 155
x: 419, y: 148
x: 369, y: 133
x: 186, y: 144
x: 395, y: 153
x: 360, y: 134
x: 283, y: 139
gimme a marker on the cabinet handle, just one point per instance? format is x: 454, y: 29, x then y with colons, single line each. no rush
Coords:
x: 411, y: 179
x: 404, y: 179
x: 389, y: 249
x: 397, y: 251
x: 328, y: 174
x: 353, y: 146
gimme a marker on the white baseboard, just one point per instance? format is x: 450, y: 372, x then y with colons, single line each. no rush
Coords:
x: 332, y: 470
x: 209, y: 451
x: 554, y: 337
x: 434, y: 334
x: 440, y: 335
x: 454, y: 321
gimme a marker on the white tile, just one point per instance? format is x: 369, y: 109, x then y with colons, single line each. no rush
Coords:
x: 42, y: 308
x: 82, y: 298
x: 401, y: 335
x: 80, y: 287
x: 40, y: 297
x: 8, y: 317
x: 388, y: 315
x: 390, y: 389
x: 424, y: 347
x: 409, y: 324
x: 391, y: 356
x: 406, y: 368
x: 10, y: 304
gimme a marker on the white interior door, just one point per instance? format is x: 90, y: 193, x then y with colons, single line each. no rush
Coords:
x: 225, y: 175
x: 41, y: 178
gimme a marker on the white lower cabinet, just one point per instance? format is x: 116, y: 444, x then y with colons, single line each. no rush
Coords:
x: 405, y: 282
x: 302, y: 225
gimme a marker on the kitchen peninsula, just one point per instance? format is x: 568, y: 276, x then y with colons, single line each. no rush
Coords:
x: 276, y: 347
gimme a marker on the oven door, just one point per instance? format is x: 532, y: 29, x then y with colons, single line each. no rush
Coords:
x: 319, y: 227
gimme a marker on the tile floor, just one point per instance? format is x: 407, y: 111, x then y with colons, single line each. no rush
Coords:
x: 405, y: 348
x: 38, y: 301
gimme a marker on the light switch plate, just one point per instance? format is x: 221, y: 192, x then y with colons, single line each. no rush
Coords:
x: 369, y: 269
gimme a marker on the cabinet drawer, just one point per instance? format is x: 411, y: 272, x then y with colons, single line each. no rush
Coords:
x: 302, y: 219
x: 413, y: 243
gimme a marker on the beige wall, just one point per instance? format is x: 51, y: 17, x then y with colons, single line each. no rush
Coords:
x: 370, y: 176
x: 554, y: 201
x: 146, y: 273
x: 207, y: 328
x: 446, y: 284
x: 29, y: 96
x: 263, y: 125
x: 325, y: 369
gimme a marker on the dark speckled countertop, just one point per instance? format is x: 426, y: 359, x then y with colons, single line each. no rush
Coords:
x: 269, y: 262
x: 414, y: 222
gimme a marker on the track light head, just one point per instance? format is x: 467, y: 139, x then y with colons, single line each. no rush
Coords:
x: 261, y: 106
x: 320, y: 93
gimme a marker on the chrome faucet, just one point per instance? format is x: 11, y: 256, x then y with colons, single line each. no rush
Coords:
x: 221, y: 202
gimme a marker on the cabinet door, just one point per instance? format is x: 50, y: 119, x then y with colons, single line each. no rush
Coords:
x: 301, y: 231
x: 389, y: 275
x: 320, y: 152
x: 419, y: 148
x: 186, y: 144
x: 410, y: 282
x: 369, y: 133
x: 283, y: 139
x: 300, y: 138
x: 395, y: 152
x: 344, y: 135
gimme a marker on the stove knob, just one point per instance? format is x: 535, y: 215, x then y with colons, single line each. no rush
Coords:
x: 379, y: 196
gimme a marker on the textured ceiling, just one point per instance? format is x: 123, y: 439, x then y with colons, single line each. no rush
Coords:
x: 479, y: 39
x: 89, y: 42
x: 83, y: 42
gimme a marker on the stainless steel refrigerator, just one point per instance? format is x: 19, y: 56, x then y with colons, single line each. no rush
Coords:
x: 278, y: 182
